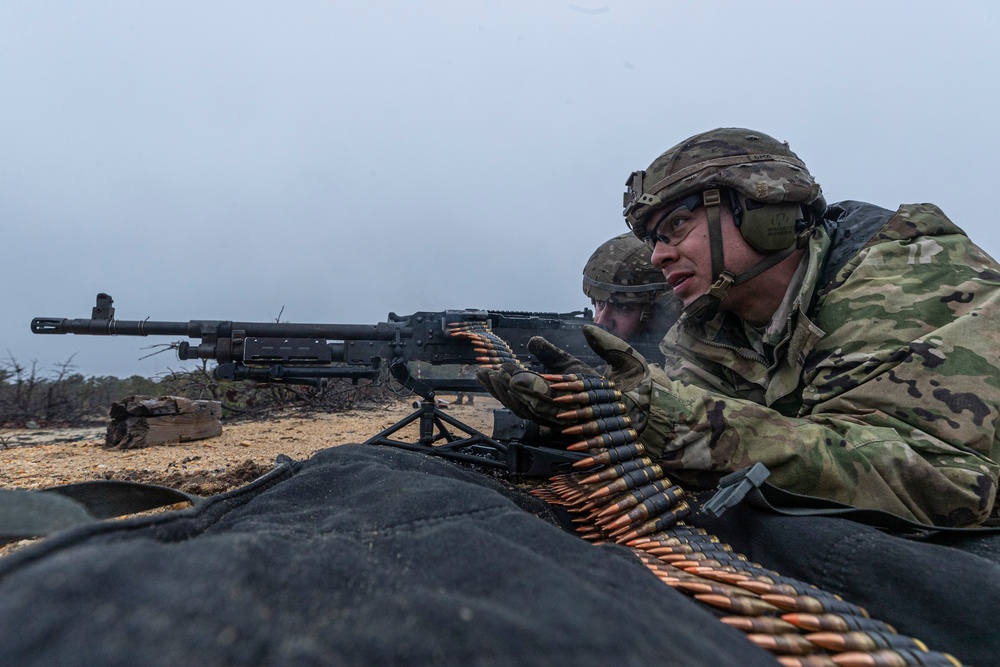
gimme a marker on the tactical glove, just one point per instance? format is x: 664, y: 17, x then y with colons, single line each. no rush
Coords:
x: 530, y: 396
x: 556, y: 360
x: 628, y: 369
x: 524, y: 392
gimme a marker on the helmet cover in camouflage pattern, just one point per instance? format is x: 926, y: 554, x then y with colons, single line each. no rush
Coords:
x: 748, y: 161
x: 619, y: 272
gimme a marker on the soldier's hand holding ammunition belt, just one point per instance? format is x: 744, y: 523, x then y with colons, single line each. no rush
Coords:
x: 627, y: 369
x: 543, y: 398
x: 525, y: 393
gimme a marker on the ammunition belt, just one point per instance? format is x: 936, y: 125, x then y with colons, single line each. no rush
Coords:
x: 493, y: 349
x: 625, y: 498
x: 619, y: 495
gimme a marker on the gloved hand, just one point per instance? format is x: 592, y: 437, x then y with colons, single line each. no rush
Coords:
x: 529, y: 395
x: 556, y: 360
x: 627, y: 368
x: 525, y: 393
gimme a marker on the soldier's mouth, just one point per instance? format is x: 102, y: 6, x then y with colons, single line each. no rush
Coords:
x: 677, y: 280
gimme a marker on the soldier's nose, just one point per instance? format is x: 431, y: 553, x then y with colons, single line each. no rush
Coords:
x: 663, y: 254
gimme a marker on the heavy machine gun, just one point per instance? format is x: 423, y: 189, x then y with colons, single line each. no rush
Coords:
x: 287, y: 353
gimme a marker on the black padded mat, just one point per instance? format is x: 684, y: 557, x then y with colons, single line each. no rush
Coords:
x: 362, y: 555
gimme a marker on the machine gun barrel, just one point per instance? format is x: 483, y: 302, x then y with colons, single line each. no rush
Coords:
x: 228, y: 341
x: 200, y: 328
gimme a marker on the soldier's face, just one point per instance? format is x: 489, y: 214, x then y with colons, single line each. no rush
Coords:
x: 621, y: 319
x: 687, y: 263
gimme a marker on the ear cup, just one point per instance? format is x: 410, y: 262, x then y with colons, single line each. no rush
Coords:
x: 770, y: 227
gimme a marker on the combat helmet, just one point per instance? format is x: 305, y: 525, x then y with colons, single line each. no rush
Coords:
x: 773, y: 197
x: 619, y: 272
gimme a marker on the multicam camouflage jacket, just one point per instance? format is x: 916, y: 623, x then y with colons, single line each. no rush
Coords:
x: 881, y: 391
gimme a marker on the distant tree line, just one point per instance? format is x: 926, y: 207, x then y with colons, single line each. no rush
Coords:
x: 67, y: 398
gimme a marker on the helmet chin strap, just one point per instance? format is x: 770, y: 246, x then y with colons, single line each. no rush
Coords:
x: 706, y: 306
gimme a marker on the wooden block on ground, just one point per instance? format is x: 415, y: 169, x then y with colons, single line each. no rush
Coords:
x: 141, y: 421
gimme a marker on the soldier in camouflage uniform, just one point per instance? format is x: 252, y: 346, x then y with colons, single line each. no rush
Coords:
x: 630, y: 296
x: 851, y: 349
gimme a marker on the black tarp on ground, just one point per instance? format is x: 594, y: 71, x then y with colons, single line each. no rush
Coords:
x: 359, y: 556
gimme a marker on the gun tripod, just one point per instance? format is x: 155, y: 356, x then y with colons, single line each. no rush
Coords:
x: 461, y: 442
x: 467, y: 445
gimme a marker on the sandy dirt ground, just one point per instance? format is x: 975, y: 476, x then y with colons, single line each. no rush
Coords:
x: 38, y: 458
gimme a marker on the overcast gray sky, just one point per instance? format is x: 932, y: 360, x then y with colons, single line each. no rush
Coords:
x: 340, y: 160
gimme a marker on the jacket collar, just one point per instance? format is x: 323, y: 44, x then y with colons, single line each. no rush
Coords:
x: 791, y: 334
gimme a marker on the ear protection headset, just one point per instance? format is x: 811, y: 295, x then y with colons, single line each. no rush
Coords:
x: 767, y: 227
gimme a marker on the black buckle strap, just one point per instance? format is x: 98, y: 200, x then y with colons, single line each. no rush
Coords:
x: 734, y: 487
